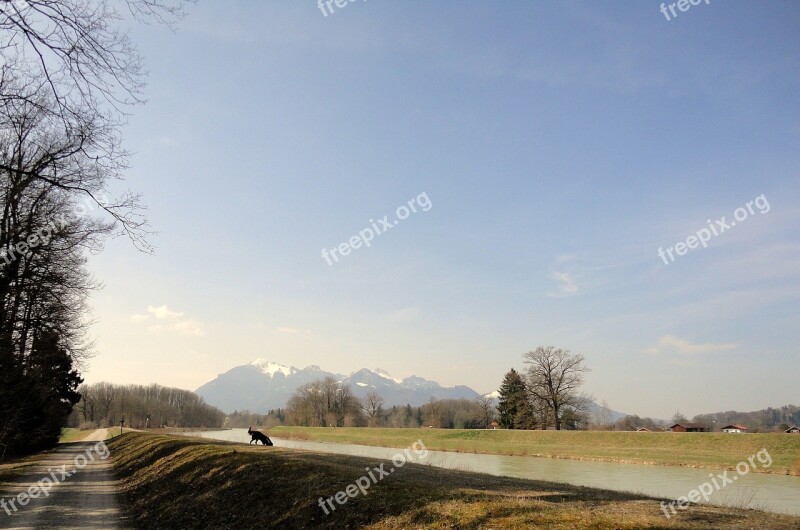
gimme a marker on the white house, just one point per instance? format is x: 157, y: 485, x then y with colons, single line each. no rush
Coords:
x: 734, y: 428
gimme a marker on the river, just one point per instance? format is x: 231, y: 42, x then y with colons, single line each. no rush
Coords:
x: 773, y: 493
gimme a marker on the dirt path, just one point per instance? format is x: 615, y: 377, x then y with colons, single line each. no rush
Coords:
x: 98, y: 435
x: 70, y: 487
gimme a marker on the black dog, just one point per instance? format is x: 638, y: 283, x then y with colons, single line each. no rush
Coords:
x: 258, y: 436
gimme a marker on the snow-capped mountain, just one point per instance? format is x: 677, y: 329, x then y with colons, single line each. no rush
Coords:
x: 263, y: 385
x: 493, y: 395
x: 269, y: 368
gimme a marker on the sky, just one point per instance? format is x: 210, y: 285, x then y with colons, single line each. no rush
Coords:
x: 549, y: 150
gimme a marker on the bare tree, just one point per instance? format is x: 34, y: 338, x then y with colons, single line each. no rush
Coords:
x: 72, y: 61
x: 347, y: 404
x: 433, y: 413
x: 323, y: 402
x: 601, y: 416
x: 486, y: 407
x: 554, y: 377
x: 328, y: 389
x: 104, y: 394
x: 78, y: 48
x: 373, y: 407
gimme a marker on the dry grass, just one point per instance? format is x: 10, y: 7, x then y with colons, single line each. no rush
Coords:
x: 174, y: 482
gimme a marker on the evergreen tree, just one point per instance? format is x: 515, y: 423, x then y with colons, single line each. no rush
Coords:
x: 514, y: 409
x: 525, y: 417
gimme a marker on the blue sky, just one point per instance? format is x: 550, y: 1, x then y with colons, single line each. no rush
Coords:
x: 560, y: 145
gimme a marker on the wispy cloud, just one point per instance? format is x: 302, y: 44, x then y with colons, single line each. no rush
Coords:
x: 567, y: 285
x: 169, y: 322
x: 162, y: 312
x: 670, y: 344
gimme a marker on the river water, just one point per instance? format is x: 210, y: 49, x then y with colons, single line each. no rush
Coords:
x: 774, y: 493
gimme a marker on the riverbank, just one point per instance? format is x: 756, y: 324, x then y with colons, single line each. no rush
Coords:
x: 175, y: 482
x: 695, y: 450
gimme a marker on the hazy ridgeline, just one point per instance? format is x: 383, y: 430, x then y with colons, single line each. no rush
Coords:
x: 105, y: 404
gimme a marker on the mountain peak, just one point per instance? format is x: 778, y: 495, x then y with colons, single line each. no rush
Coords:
x: 270, y: 368
x: 385, y: 375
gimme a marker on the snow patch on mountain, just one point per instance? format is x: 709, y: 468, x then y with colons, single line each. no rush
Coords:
x: 270, y: 368
x: 385, y: 375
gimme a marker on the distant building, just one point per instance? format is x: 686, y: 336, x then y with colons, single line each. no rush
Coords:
x: 793, y: 430
x: 642, y: 429
x: 689, y: 427
x: 734, y: 428
x: 494, y: 425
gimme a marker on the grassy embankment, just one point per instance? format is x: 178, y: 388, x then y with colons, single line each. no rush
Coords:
x: 711, y: 450
x: 175, y: 482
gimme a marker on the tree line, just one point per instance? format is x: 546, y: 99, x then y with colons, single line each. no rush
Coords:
x: 106, y: 404
x: 329, y: 403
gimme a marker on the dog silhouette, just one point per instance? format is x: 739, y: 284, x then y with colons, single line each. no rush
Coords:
x: 258, y: 436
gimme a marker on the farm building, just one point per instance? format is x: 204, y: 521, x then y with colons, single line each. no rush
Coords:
x: 793, y: 430
x: 734, y: 428
x: 689, y: 427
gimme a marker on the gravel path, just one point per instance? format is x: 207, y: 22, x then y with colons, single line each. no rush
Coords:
x: 73, y: 488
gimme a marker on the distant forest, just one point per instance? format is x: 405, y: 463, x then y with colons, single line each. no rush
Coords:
x: 105, y: 404
x: 443, y: 414
x: 314, y: 410
x: 768, y: 419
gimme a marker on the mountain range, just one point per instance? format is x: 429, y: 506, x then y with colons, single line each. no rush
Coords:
x: 263, y: 385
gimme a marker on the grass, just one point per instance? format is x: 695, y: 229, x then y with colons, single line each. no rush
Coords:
x: 74, y: 435
x: 177, y: 482
x: 700, y: 450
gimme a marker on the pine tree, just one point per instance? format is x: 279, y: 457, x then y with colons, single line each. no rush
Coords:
x: 514, y: 409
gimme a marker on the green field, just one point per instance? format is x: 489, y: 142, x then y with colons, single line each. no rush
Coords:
x: 712, y: 450
x: 177, y: 482
x: 74, y: 435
